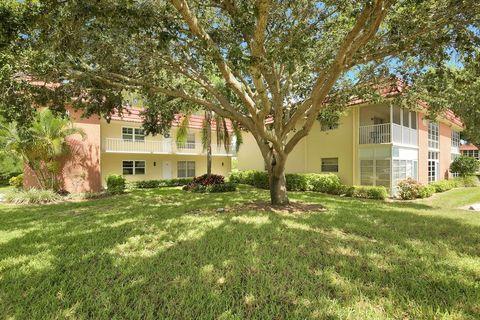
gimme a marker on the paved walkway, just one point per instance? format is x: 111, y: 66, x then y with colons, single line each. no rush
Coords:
x: 474, y: 207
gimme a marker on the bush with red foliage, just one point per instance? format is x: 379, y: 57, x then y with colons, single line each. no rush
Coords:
x: 205, y: 180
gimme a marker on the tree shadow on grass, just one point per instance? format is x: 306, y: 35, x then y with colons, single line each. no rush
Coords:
x: 142, y: 256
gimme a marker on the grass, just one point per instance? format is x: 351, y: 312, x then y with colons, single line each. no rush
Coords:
x: 5, y: 189
x: 167, y: 254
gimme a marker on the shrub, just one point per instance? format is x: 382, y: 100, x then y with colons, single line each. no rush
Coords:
x: 215, y: 188
x: 151, y: 184
x: 213, y: 183
x: 444, y: 185
x: 16, y: 181
x: 326, y: 183
x: 207, y: 180
x: 369, y: 192
x: 32, y: 196
x: 409, y: 189
x: 115, y: 184
x: 470, y: 181
x: 297, y: 182
x: 465, y: 166
x: 426, y: 191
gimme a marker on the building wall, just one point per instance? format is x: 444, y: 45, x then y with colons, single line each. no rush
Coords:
x: 249, y: 155
x: 337, y: 143
x: 307, y: 155
x: 112, y: 164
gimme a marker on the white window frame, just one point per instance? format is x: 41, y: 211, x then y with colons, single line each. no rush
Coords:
x: 134, y: 168
x: 471, y: 153
x: 433, y: 135
x: 455, y: 139
x: 134, y: 134
x: 186, y: 169
x: 433, y: 168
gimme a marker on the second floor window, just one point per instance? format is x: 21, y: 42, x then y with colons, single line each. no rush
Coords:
x: 133, y: 134
x: 455, y: 139
x: 433, y: 139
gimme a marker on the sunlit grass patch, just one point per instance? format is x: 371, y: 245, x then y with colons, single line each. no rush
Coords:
x: 157, y: 254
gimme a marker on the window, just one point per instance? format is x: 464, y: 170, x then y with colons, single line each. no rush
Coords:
x: 382, y: 170
x: 133, y: 167
x: 433, y: 140
x: 133, y: 134
x: 471, y: 153
x: 189, y: 143
x: 455, y: 139
x: 375, y: 173
x: 185, y: 169
x: 329, y: 164
x: 404, y: 169
x: 413, y: 120
x: 366, y: 172
x: 396, y: 115
x: 405, y: 118
x: 433, y: 166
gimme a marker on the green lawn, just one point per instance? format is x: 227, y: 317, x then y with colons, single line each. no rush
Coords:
x: 167, y: 254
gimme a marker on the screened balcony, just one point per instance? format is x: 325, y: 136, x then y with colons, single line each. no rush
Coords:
x: 383, y: 124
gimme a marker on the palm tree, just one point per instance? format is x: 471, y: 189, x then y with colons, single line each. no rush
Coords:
x: 41, y: 146
x: 223, y: 135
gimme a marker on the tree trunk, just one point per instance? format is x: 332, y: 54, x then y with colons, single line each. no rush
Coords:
x: 209, y: 143
x: 278, y: 183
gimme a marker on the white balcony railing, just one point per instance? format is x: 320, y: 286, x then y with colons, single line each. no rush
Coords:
x: 161, y: 147
x: 376, y: 133
x: 388, y: 133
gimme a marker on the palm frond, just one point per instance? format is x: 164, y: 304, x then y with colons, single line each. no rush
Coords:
x: 238, y: 136
x: 182, y: 132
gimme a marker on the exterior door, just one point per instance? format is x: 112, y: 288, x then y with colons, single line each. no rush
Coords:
x: 167, y: 169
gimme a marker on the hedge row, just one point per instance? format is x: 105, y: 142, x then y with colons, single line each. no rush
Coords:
x: 325, y: 183
x: 152, y: 184
x: 410, y: 189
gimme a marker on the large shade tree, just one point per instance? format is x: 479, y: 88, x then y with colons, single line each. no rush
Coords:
x: 273, y: 66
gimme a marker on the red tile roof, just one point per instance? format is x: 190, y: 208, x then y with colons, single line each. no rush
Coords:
x: 468, y: 146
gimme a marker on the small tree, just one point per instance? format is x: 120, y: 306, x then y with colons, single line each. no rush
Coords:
x: 465, y: 166
x: 40, y: 146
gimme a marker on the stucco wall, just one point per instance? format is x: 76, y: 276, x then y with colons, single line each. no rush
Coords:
x: 112, y: 164
x: 307, y: 155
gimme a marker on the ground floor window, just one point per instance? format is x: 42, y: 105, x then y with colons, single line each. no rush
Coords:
x: 433, y: 166
x: 404, y: 169
x: 471, y: 153
x: 133, y: 167
x: 375, y: 172
x: 186, y: 169
x: 329, y: 164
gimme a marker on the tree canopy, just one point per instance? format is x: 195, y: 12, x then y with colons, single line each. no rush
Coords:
x: 249, y: 60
